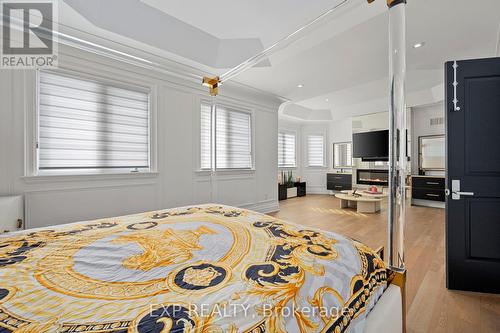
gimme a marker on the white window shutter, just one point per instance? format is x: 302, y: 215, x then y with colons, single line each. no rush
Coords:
x: 233, y: 138
x: 315, y: 150
x: 286, y: 150
x: 205, y: 136
x: 86, y: 124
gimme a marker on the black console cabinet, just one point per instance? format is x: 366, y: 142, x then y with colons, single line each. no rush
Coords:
x: 338, y: 181
x: 301, y: 189
x: 282, y: 190
x: 427, y: 188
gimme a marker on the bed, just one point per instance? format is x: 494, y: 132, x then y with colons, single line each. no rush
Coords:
x: 204, y: 268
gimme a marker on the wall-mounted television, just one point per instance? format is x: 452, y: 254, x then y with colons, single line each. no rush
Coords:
x: 371, y: 146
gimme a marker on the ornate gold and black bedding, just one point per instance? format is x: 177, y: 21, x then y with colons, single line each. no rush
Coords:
x: 196, y: 269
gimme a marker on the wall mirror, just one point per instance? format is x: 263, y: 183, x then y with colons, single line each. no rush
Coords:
x: 342, y: 155
x: 432, y: 153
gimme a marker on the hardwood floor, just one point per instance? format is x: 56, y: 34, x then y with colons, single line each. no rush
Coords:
x: 430, y: 306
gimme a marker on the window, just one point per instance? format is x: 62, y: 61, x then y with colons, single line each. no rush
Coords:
x: 233, y: 138
x: 342, y: 155
x: 89, y: 126
x: 206, y: 137
x: 286, y: 150
x: 315, y: 151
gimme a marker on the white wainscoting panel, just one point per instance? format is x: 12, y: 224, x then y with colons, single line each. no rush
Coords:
x: 44, y: 208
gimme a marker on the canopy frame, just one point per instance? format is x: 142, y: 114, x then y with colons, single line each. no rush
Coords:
x: 396, y: 220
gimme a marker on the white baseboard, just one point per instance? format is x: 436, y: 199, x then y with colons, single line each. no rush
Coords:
x: 266, y: 206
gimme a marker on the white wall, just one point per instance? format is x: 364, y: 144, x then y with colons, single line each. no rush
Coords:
x: 315, y: 177
x: 371, y: 122
x: 421, y: 126
x: 341, y: 131
x: 176, y: 182
x: 334, y: 132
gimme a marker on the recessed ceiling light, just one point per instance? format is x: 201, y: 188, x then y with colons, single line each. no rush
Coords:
x: 326, y: 100
x: 418, y: 45
x: 300, y: 86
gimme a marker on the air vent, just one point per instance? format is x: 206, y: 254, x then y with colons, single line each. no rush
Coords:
x: 437, y: 121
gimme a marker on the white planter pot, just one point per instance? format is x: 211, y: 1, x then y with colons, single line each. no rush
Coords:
x: 291, y: 192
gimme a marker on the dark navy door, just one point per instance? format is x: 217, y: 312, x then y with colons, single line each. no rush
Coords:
x: 473, y: 175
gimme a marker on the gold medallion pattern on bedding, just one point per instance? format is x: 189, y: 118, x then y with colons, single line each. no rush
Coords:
x: 197, y: 269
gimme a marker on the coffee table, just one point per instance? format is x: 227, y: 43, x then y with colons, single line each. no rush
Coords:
x: 365, y: 194
x: 363, y: 204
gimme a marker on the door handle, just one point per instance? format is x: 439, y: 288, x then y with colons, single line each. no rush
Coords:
x: 466, y: 194
x: 456, y: 194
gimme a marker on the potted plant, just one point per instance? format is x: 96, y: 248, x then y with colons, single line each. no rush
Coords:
x: 291, y: 190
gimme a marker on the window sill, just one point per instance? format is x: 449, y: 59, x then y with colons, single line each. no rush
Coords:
x: 88, y: 177
x: 227, y: 172
x: 317, y: 167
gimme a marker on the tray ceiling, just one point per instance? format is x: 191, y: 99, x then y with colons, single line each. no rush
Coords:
x: 342, y: 65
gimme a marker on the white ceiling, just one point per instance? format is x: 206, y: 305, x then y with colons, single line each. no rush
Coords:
x: 230, y: 19
x: 350, y: 69
x: 345, y: 60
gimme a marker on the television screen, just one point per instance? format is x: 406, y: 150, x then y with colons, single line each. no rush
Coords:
x: 371, y: 145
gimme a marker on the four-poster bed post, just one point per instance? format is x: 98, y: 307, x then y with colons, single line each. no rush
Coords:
x: 397, y: 147
x: 397, y: 134
x: 397, y: 128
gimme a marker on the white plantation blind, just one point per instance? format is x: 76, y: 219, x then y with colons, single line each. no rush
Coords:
x: 286, y: 149
x: 315, y: 150
x: 206, y: 137
x: 233, y: 138
x: 90, y: 125
x: 342, y: 153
